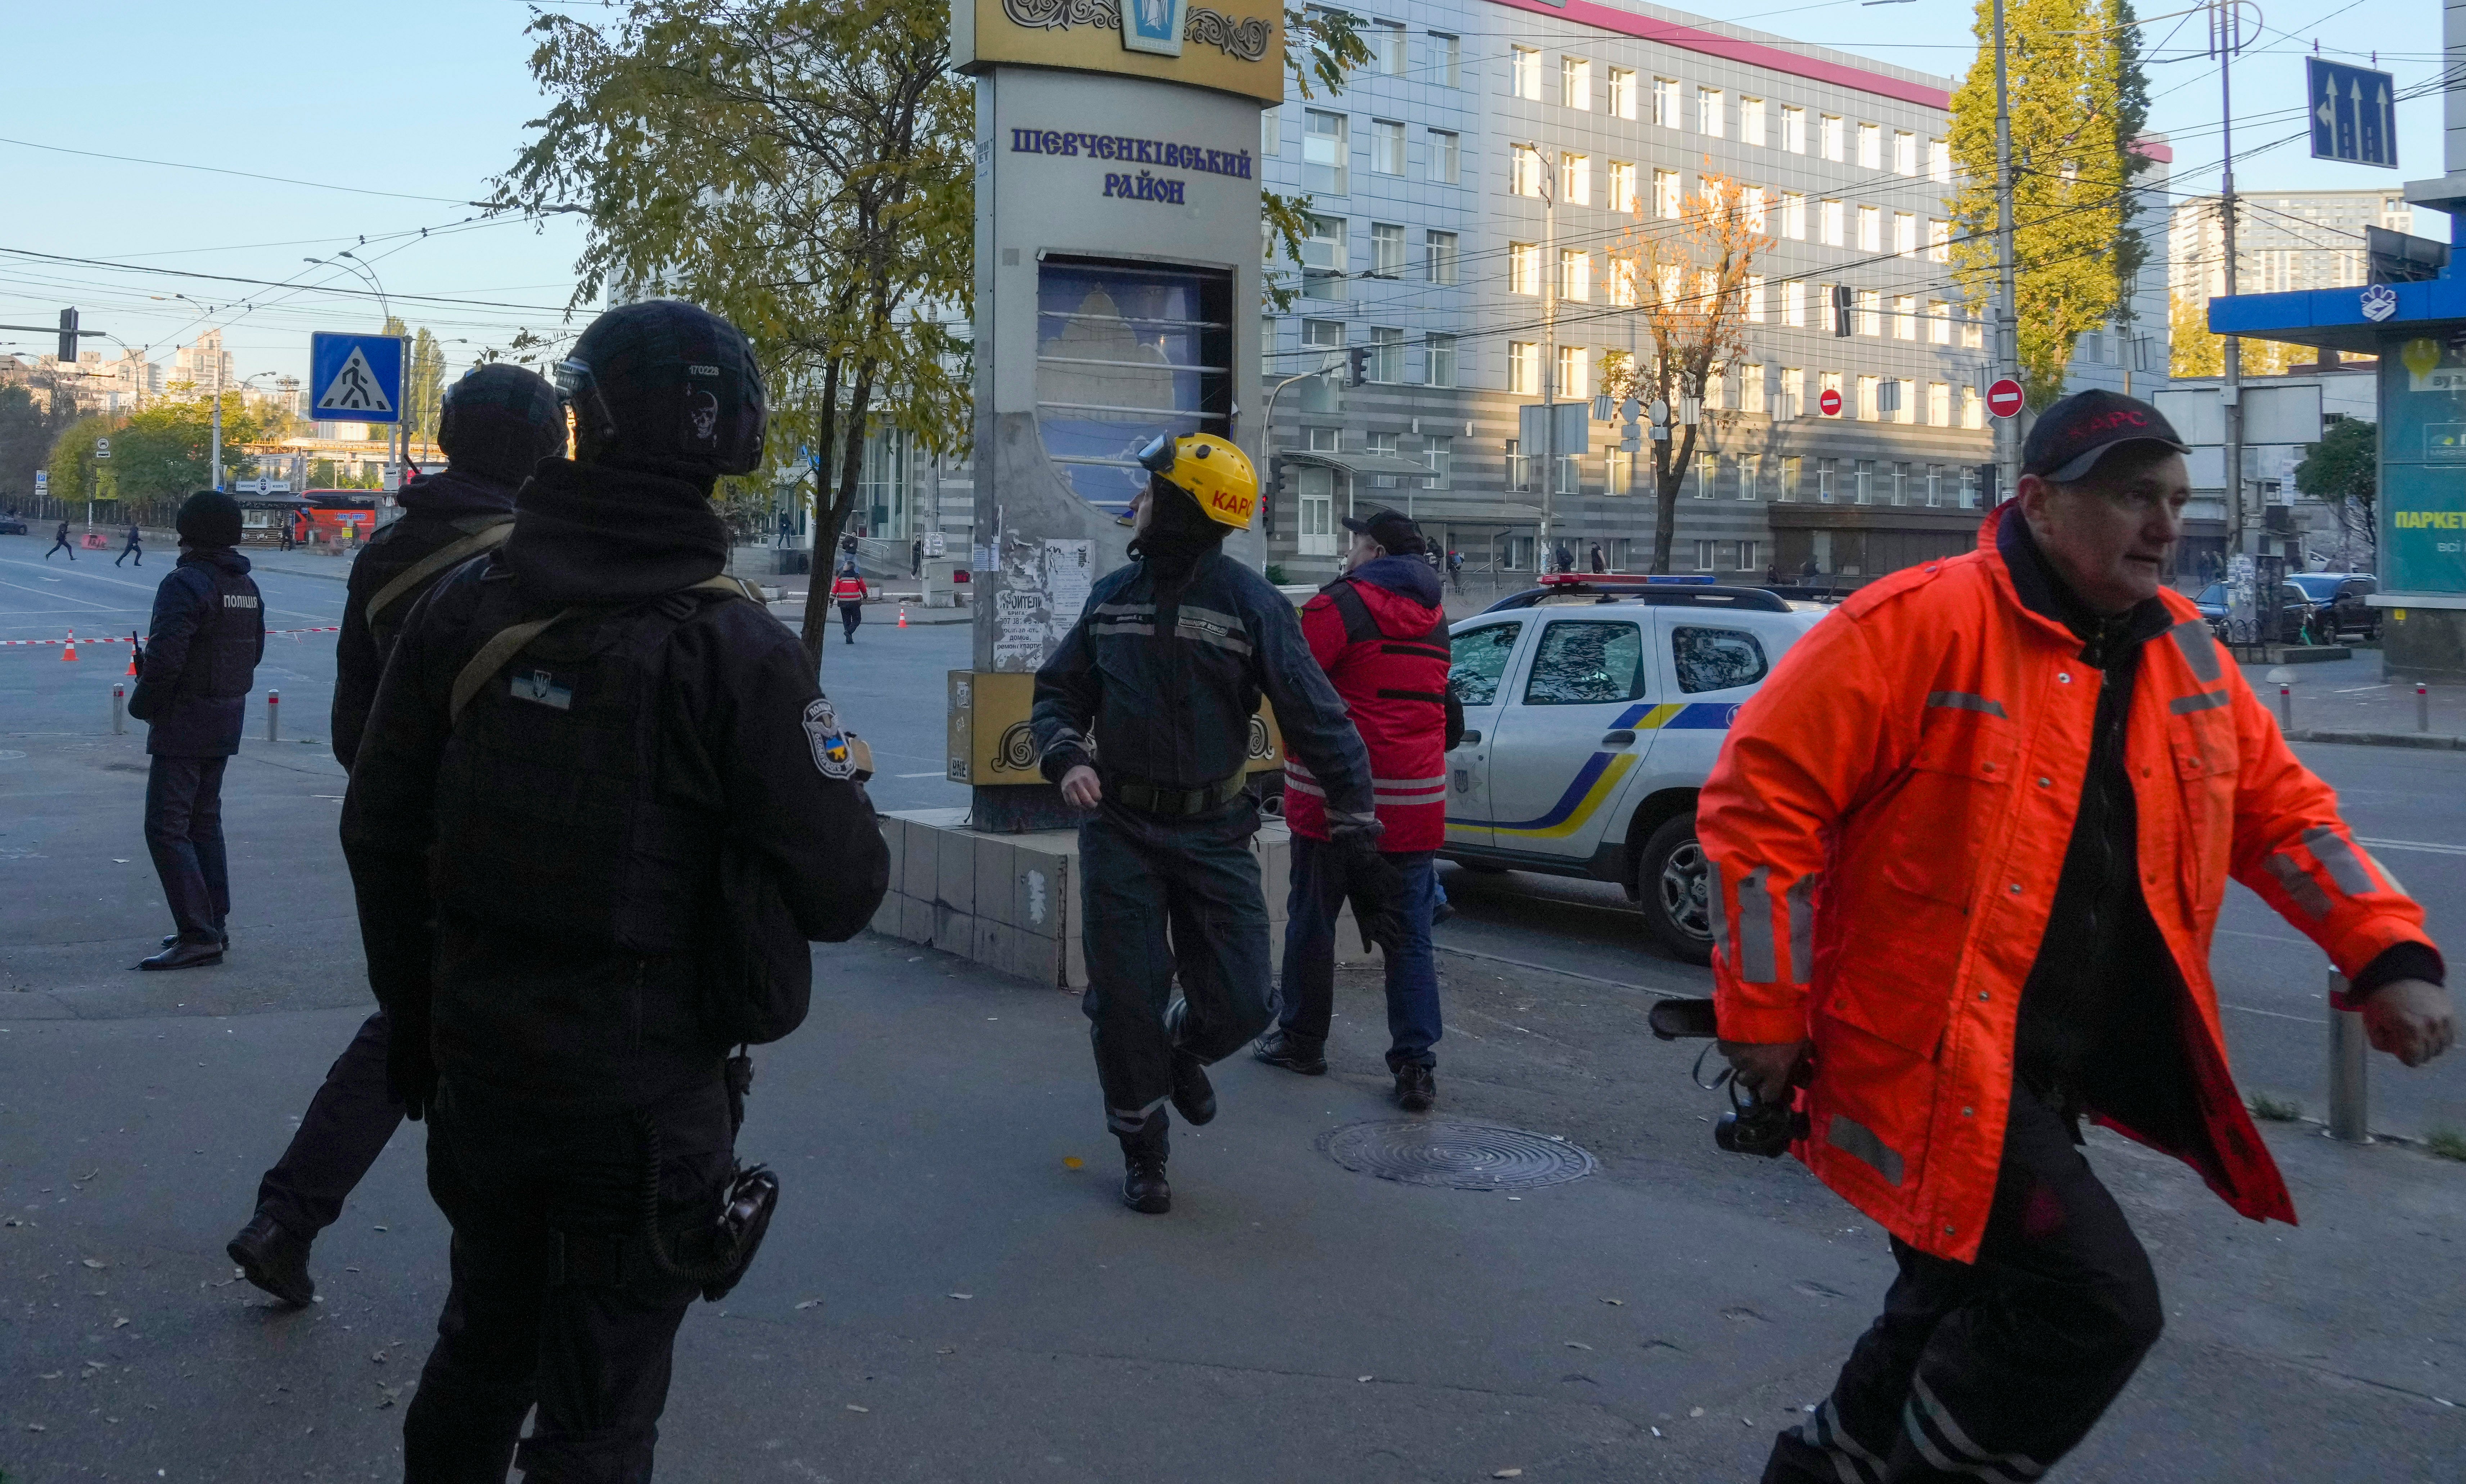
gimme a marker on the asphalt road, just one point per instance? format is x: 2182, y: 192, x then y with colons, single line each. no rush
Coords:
x: 947, y: 1295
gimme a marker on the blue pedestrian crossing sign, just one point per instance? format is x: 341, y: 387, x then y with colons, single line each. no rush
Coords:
x: 355, y: 378
x: 2354, y: 113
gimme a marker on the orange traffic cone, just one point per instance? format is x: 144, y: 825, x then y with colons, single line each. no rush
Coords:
x: 903, y: 615
x: 132, y: 661
x: 69, y: 654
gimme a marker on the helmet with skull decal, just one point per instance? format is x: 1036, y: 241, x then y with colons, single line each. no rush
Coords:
x: 665, y: 386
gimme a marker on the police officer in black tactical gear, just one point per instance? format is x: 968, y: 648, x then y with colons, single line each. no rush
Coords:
x: 497, y: 423
x: 599, y: 811
x: 192, y: 682
x: 1143, y: 715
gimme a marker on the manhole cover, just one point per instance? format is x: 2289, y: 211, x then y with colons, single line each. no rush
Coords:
x: 1456, y: 1156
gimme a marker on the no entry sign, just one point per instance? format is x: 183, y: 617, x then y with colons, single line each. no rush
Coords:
x: 2003, y: 398
x: 1830, y: 403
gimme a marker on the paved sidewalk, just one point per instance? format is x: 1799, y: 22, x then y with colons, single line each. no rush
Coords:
x: 2348, y: 700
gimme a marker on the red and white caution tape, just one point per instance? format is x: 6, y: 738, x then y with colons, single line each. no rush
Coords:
x: 56, y: 643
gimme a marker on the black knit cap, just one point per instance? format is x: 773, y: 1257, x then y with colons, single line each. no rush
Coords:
x: 208, y: 518
x: 2075, y: 434
x: 499, y: 421
x: 1392, y: 529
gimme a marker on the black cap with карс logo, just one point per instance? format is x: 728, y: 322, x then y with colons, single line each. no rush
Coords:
x: 2075, y: 434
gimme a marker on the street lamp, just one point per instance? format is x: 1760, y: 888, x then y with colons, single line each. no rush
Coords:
x: 1545, y: 170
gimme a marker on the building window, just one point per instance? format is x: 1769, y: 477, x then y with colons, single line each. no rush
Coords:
x: 1833, y: 137
x: 1871, y: 229
x: 1444, y: 154
x: 1524, y: 368
x: 1751, y: 387
x: 1575, y: 82
x: 1973, y: 412
x: 1438, y: 457
x: 1442, y: 359
x: 1623, y: 282
x: 1381, y: 445
x: 1324, y: 440
x: 1622, y: 186
x: 1973, y: 331
x: 1386, y: 40
x: 1935, y: 482
x: 1793, y: 130
x: 1868, y: 400
x: 1751, y: 204
x: 1834, y: 218
x: 1939, y: 241
x: 1828, y: 476
x: 1386, y: 147
x: 1938, y: 406
x: 1793, y: 215
x: 1905, y: 317
x: 1323, y: 258
x: 1447, y: 60
x: 1524, y: 71
x: 1574, y: 378
x: 1903, y: 482
x: 1708, y: 479
x: 1969, y: 487
x: 1524, y: 268
x: 1793, y: 304
x: 1575, y: 274
x: 1665, y: 194
x: 1750, y: 474
x: 1938, y: 318
x: 1871, y: 146
x: 1517, y: 476
x: 1665, y: 102
x: 1791, y: 400
x: 1717, y: 386
x: 1439, y: 256
x: 1386, y: 249
x: 1751, y: 121
x: 1267, y: 349
x: 1905, y: 153
x: 1940, y: 161
x: 1755, y: 299
x: 1325, y: 146
x: 1271, y: 132
x: 1870, y: 312
x: 1575, y: 180
x: 1618, y: 469
x: 1524, y: 170
x: 1905, y: 234
x: 1712, y: 112
x: 1703, y: 547
x: 1621, y: 99
x: 1793, y: 468
x: 1865, y: 489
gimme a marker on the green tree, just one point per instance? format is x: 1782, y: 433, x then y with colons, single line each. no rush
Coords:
x: 803, y: 168
x: 2072, y: 90
x: 2344, y: 469
x: 2194, y: 349
x: 164, y: 451
x: 72, y: 462
x: 29, y: 426
x: 423, y: 390
x: 2130, y: 253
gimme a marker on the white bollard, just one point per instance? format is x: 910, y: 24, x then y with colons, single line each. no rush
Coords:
x: 273, y: 711
x: 2422, y: 708
x: 2349, y: 1090
x: 119, y: 710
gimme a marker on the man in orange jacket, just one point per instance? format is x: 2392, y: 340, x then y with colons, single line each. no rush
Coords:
x: 1968, y: 846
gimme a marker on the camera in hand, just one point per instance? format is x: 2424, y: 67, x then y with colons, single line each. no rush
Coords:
x: 1749, y: 1126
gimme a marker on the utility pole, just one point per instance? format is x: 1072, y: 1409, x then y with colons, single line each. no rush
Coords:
x: 2226, y: 22
x: 218, y: 455
x: 1545, y: 559
x: 2008, y: 323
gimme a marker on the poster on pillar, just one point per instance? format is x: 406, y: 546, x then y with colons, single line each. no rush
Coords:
x: 2423, y: 464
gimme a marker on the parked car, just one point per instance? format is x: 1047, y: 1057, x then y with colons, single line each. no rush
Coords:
x: 11, y: 526
x: 2295, y: 610
x: 2338, y: 601
x: 1593, y: 713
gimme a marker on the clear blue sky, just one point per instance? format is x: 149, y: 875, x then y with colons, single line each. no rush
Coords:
x: 429, y: 101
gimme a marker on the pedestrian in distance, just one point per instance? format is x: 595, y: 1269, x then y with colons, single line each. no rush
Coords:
x: 916, y: 558
x: 1563, y: 558
x: 1380, y: 634
x: 60, y: 542
x: 134, y: 549
x: 598, y: 811
x: 1967, y: 848
x: 1599, y: 562
x: 197, y: 664
x: 1455, y: 569
x: 1159, y: 680
x: 849, y: 591
x: 495, y: 425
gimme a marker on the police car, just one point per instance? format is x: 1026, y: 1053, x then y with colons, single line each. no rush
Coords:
x: 1594, y: 708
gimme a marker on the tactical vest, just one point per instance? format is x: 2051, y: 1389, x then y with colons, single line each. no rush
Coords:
x: 1397, y: 692
x: 456, y: 542
x: 222, y: 657
x: 554, y: 821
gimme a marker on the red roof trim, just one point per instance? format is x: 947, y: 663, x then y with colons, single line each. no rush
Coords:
x: 2154, y: 150
x: 1627, y: 23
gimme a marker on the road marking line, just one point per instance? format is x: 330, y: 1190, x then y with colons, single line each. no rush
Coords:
x: 2428, y: 847
x: 2272, y: 1015
x: 936, y: 773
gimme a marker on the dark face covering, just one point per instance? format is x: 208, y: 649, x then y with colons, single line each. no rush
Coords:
x: 1179, y: 532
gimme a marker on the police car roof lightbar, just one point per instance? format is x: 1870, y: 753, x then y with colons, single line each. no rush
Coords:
x: 1623, y: 579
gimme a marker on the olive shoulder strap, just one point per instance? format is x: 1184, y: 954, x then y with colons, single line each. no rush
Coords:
x: 507, y: 642
x: 488, y: 537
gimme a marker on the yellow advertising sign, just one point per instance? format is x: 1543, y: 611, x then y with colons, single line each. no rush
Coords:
x: 989, y: 741
x: 1232, y: 50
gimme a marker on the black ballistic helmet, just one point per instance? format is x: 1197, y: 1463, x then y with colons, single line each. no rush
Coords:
x: 667, y: 387
x: 208, y: 518
x: 501, y: 420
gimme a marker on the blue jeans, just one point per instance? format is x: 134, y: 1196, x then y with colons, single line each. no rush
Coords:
x: 1308, y: 997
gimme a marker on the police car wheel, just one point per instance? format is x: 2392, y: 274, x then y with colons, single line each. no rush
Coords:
x: 1671, y: 881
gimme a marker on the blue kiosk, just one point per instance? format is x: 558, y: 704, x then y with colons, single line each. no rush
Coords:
x: 2412, y: 316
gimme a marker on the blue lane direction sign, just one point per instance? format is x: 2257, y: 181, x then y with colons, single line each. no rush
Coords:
x: 355, y: 378
x: 2354, y: 113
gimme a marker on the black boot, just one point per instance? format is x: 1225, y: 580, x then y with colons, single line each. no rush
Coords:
x: 1417, y: 1088
x: 169, y: 938
x: 183, y: 954
x: 1281, y: 1047
x: 1143, y: 1157
x: 1194, y: 1097
x: 274, y: 1260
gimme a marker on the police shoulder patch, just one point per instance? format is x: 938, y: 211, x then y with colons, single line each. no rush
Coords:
x: 832, y: 754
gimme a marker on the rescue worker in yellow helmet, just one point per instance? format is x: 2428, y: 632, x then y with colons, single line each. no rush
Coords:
x: 1143, y: 717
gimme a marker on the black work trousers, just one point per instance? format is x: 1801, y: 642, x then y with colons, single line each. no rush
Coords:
x: 346, y: 1126
x: 556, y: 1300
x: 1170, y: 898
x: 184, y: 833
x: 1994, y: 1369
x: 851, y: 614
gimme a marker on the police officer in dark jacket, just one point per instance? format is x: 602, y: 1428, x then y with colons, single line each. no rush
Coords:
x: 192, y: 681
x: 496, y: 422
x: 597, y: 790
x: 1143, y: 715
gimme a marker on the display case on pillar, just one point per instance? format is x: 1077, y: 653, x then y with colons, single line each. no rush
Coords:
x: 1117, y: 292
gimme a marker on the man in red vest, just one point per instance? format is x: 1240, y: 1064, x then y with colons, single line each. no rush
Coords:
x: 849, y: 591
x: 1380, y: 634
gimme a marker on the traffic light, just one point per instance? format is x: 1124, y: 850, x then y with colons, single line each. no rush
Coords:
x: 68, y: 337
x: 1840, y: 309
x: 1356, y: 366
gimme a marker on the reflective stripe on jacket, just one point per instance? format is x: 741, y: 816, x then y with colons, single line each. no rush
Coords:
x: 848, y: 590
x: 1387, y: 656
x: 1886, y: 828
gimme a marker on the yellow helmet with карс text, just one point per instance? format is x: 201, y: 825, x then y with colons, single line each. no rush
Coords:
x: 1212, y: 471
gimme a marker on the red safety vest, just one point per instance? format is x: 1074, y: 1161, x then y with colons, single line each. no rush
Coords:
x: 848, y: 590
x: 1388, y: 657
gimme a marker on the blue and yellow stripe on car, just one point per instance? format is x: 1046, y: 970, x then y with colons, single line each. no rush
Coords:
x: 1597, y: 780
